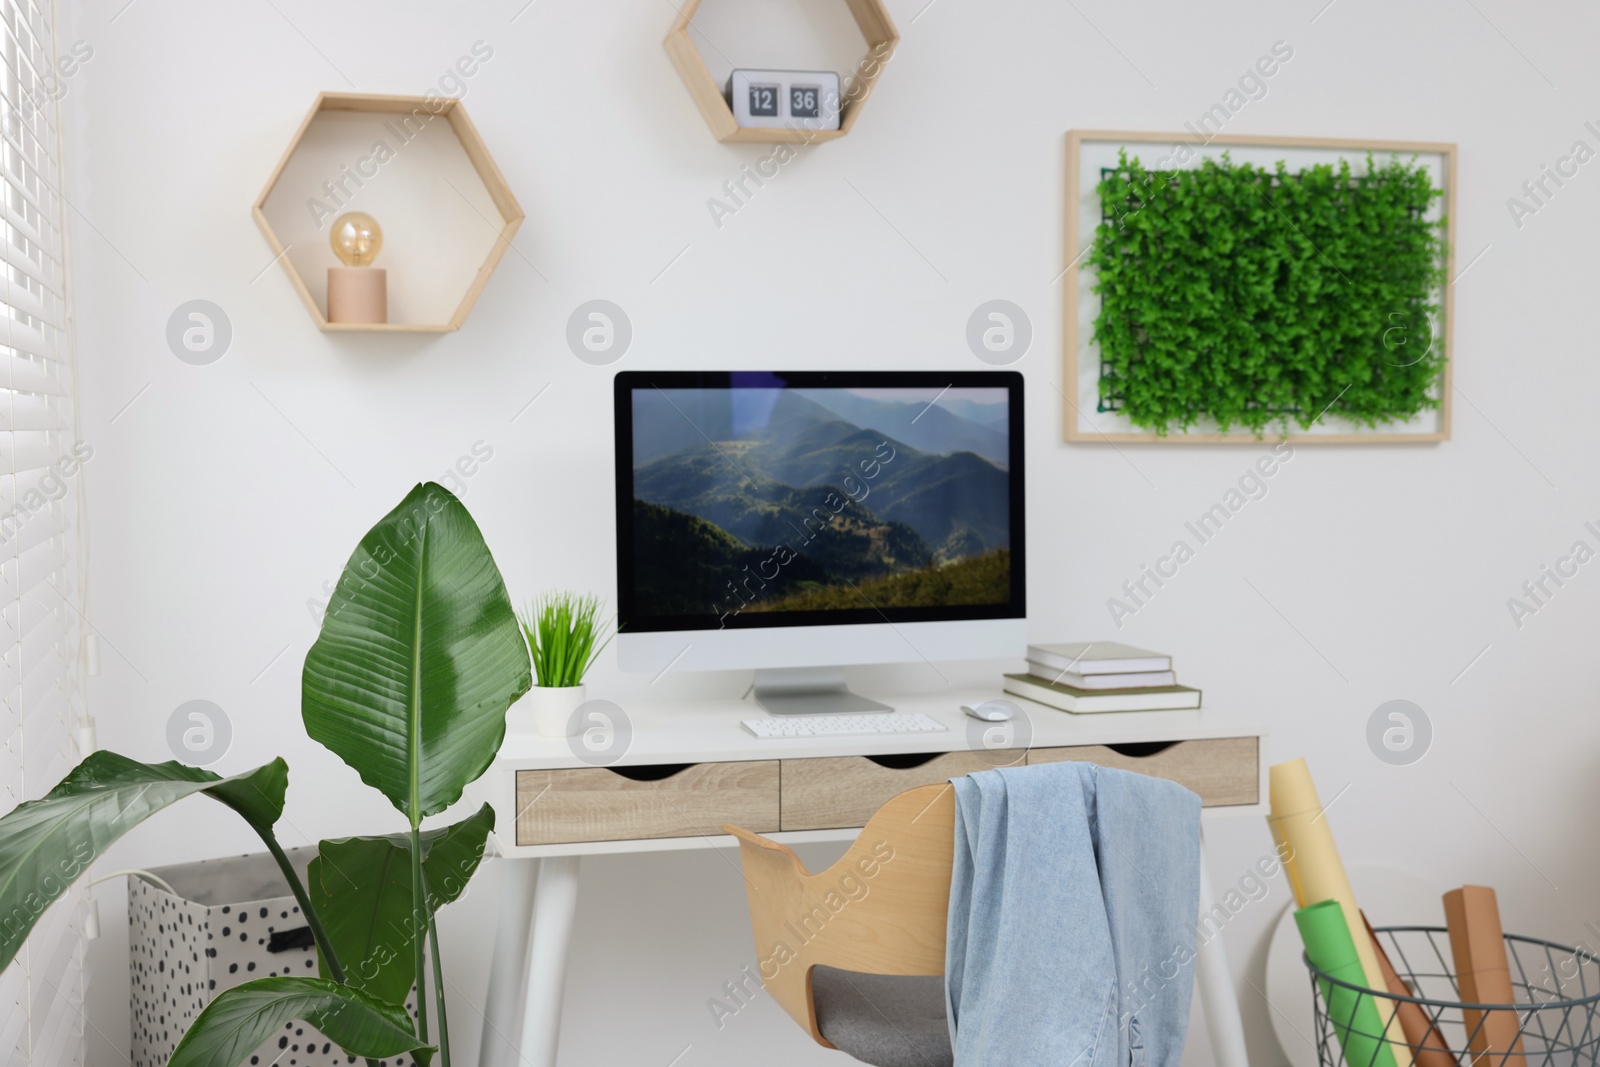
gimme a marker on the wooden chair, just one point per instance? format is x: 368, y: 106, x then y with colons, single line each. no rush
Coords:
x: 855, y: 953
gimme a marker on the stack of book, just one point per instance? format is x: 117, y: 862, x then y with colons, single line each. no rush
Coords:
x: 1101, y: 676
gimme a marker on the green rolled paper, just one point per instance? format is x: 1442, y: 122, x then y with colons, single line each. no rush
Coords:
x: 1332, y: 951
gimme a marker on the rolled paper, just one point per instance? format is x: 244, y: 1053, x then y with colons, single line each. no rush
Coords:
x: 1319, y: 875
x: 1332, y: 950
x: 1428, y: 1045
x: 1484, y: 974
x: 1286, y: 855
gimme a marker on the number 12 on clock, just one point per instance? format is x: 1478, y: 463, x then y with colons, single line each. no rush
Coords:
x: 764, y: 100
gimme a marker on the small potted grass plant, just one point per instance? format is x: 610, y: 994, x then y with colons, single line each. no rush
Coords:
x: 565, y: 634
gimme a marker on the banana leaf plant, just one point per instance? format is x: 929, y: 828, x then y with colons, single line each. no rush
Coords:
x: 408, y: 682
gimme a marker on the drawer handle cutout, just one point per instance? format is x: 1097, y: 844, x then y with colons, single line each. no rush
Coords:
x: 905, y: 761
x: 655, y: 772
x: 1142, y: 749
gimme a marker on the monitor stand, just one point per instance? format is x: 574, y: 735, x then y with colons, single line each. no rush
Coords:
x: 809, y: 691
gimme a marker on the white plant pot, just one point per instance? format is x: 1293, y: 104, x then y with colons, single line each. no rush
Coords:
x: 546, y: 710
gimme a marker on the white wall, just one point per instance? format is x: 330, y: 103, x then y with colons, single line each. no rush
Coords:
x: 222, y: 497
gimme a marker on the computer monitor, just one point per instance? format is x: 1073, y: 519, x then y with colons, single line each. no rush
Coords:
x: 800, y: 522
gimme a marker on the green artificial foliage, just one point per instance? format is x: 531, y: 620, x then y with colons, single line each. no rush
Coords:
x: 1259, y: 298
x: 565, y: 635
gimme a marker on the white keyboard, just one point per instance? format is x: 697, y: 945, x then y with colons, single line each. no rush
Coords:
x: 841, y: 725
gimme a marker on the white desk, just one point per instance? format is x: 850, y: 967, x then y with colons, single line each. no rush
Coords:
x: 669, y: 775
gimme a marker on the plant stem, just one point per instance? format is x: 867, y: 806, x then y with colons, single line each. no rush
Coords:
x: 419, y: 912
x: 438, y: 991
x: 324, y: 946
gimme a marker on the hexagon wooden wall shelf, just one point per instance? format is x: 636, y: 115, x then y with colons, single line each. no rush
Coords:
x: 447, y: 214
x: 875, y: 25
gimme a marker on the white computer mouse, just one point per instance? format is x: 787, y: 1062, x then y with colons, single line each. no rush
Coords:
x: 991, y: 710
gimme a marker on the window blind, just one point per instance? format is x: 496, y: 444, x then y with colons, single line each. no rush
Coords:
x: 41, y: 457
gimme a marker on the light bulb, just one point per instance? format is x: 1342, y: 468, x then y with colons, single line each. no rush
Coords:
x: 356, y: 238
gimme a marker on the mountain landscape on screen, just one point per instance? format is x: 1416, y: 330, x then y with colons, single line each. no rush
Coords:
x: 762, y: 500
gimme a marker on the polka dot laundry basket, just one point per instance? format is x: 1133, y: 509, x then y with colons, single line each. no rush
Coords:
x: 230, y: 921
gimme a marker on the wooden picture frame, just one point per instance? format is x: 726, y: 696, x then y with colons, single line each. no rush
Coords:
x: 1084, y: 424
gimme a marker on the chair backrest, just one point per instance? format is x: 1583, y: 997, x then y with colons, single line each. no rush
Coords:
x: 881, y: 909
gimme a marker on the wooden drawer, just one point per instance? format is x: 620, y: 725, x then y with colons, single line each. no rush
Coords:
x: 1222, y: 771
x: 625, y: 803
x: 831, y: 792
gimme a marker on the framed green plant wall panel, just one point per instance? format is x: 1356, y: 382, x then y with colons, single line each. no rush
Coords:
x: 1243, y: 289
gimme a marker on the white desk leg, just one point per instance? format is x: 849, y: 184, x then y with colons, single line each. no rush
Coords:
x: 502, y: 1013
x: 1218, y: 999
x: 555, y: 902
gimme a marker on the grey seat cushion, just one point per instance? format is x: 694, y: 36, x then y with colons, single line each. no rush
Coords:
x: 884, y: 1020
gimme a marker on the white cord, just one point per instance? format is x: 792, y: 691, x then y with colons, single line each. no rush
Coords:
x: 133, y: 870
x: 91, y: 907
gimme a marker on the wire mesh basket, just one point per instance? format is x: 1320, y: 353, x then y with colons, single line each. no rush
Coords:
x: 1557, y: 989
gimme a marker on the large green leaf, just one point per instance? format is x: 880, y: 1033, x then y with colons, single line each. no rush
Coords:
x: 419, y: 656
x: 361, y: 886
x: 236, y: 1023
x: 46, y: 844
x: 362, y: 889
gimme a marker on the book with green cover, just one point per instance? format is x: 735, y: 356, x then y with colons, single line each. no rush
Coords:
x: 1069, y: 698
